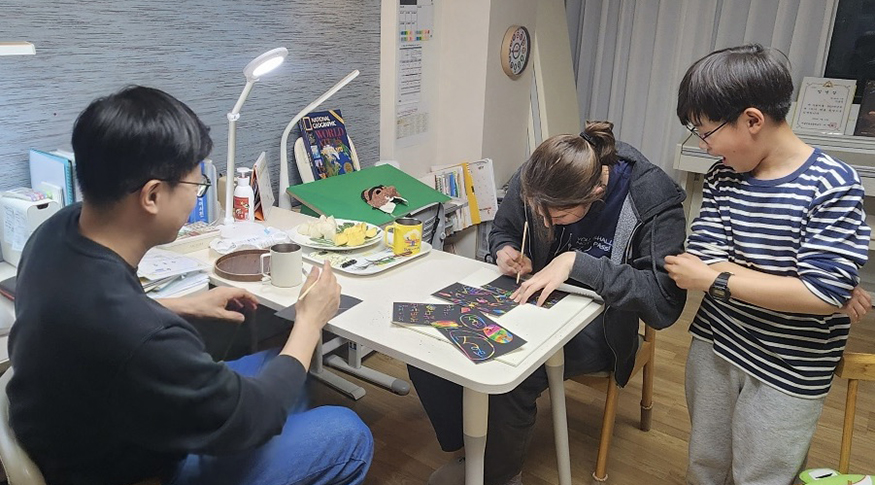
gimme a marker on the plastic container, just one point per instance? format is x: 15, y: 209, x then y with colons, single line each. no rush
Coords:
x: 244, y: 198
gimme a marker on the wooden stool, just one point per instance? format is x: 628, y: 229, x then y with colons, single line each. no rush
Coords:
x: 644, y: 360
x: 853, y: 367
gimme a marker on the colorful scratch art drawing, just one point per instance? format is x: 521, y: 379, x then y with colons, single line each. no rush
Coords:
x: 476, y: 298
x: 422, y: 313
x: 505, y: 286
x: 478, y: 337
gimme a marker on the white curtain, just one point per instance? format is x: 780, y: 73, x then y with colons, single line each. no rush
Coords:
x: 630, y: 55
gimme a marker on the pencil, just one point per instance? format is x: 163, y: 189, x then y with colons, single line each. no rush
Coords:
x: 304, y: 293
x: 522, y: 248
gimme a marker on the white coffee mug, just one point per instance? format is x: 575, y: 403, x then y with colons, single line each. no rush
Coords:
x: 285, y: 265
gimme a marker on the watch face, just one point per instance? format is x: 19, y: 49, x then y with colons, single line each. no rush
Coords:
x: 718, y: 293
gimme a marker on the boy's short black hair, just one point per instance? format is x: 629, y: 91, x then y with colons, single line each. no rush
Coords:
x: 721, y: 85
x: 138, y: 134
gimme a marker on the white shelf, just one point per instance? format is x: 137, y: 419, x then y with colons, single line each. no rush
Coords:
x: 17, y: 49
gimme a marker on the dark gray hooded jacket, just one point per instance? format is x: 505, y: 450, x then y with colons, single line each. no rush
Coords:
x: 633, y: 281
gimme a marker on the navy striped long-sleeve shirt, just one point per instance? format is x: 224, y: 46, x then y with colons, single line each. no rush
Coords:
x: 809, y: 225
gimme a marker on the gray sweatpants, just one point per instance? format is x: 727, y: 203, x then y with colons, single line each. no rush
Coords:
x: 744, y: 432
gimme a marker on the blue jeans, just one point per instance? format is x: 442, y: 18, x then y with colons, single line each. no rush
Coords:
x: 327, y: 445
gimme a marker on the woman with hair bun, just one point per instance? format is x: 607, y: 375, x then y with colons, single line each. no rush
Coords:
x: 599, y: 215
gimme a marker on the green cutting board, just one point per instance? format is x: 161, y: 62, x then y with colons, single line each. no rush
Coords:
x: 341, y: 196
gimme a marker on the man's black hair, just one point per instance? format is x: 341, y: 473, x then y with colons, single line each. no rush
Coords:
x: 138, y: 134
x: 721, y: 85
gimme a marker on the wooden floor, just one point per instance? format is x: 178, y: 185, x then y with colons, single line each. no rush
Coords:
x: 407, y: 452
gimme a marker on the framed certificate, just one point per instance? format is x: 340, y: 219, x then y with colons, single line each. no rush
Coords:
x: 823, y: 105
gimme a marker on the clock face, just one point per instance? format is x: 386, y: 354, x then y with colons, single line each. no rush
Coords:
x: 515, y: 51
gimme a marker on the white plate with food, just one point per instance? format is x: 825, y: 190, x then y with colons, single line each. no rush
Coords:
x: 363, y: 261
x: 336, y: 234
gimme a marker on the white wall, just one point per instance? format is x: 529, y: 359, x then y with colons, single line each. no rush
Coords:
x: 558, y: 110
x: 476, y: 111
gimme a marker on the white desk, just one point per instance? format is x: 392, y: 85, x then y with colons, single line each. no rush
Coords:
x: 369, y: 323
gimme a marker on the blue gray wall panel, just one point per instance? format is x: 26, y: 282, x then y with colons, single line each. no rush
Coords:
x: 196, y: 51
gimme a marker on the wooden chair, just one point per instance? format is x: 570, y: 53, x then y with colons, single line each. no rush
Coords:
x: 854, y: 367
x: 20, y: 469
x: 302, y: 160
x: 644, y: 359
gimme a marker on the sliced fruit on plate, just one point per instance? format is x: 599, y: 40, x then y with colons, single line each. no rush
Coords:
x: 324, y: 227
x: 346, y: 234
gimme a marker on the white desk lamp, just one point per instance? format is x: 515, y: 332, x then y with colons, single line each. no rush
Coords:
x: 17, y: 49
x: 258, y: 67
x: 285, y: 202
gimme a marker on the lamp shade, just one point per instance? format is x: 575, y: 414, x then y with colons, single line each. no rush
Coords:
x: 265, y: 63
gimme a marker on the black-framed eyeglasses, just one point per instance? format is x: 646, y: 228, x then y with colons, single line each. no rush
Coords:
x: 202, y: 186
x: 703, y: 136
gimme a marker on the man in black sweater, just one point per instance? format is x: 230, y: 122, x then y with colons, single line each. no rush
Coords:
x: 111, y: 387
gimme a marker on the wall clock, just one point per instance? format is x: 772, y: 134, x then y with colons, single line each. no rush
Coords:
x: 515, y: 49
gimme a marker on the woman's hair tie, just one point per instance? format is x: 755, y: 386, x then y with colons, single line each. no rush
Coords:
x: 589, y: 139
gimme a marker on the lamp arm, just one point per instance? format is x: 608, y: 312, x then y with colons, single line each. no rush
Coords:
x: 232, y: 149
x: 245, y: 94
x: 284, y: 200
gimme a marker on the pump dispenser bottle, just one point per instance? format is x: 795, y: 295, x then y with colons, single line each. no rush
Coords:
x: 244, y: 198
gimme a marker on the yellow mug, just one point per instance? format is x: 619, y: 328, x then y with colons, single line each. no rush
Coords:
x: 404, y: 236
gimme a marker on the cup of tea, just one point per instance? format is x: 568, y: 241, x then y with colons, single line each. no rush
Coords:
x: 284, y: 266
x: 404, y: 236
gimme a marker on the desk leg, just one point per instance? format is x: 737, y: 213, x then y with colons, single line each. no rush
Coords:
x: 331, y: 379
x: 475, y: 415
x: 355, y: 367
x: 555, y: 367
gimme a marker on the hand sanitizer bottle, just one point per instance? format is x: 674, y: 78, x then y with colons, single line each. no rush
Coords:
x: 244, y: 198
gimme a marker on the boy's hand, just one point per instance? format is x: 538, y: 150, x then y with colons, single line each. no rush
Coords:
x: 548, y: 279
x: 689, y: 272
x: 510, y: 262
x: 858, y: 305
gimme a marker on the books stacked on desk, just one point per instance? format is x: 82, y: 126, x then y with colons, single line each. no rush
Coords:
x: 194, y: 237
x: 54, y: 173
x: 471, y: 186
x: 166, y: 274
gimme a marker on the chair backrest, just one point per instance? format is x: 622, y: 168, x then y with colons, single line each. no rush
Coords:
x: 20, y: 469
x: 302, y: 160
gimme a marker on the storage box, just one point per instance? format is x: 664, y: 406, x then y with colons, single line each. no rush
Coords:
x: 20, y: 218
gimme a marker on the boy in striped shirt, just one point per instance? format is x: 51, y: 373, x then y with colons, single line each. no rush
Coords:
x: 776, y: 248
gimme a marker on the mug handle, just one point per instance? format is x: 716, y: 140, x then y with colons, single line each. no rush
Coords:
x: 389, y: 232
x: 263, y: 272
